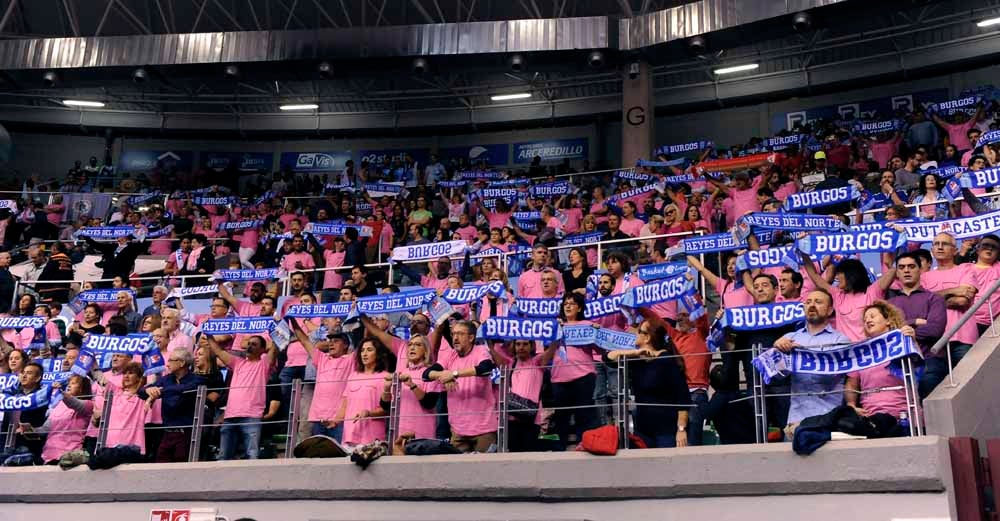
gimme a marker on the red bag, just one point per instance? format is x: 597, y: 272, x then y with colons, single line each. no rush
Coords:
x: 602, y: 441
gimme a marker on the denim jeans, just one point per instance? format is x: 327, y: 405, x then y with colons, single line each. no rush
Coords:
x: 235, y: 430
x: 286, y: 377
x: 935, y: 371
x: 606, y: 392
x: 696, y: 422
x: 336, y: 433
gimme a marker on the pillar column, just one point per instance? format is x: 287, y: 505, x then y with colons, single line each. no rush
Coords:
x: 637, y: 115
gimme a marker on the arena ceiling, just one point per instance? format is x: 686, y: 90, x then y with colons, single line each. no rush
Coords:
x: 94, y: 47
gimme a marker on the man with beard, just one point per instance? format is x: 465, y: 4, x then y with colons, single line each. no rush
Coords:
x: 242, y: 307
x: 814, y: 394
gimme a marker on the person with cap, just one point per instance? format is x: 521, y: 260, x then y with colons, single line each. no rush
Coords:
x: 333, y: 368
x: 820, y: 172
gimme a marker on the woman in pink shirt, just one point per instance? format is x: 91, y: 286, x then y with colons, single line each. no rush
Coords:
x: 868, y: 391
x: 589, y: 225
x: 852, y: 293
x: 67, y: 421
x: 417, y: 398
x: 732, y: 296
x: 599, y: 206
x: 491, y: 306
x: 574, y: 377
x: 360, y: 410
x: 334, y: 258
x: 572, y: 214
x: 527, y: 372
x: 127, y: 417
x: 693, y: 215
x: 630, y: 225
x: 54, y: 211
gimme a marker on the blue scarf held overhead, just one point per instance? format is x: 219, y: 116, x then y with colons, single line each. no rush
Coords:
x: 681, y: 148
x: 395, y: 302
x: 962, y: 228
x: 763, y: 316
x: 337, y: 229
x: 552, y: 189
x: 607, y: 339
x: 846, y: 243
x: 100, y: 348
x: 648, y: 272
x: 332, y: 309
x: 718, y: 242
x: 661, y: 164
x: 580, y: 239
x: 247, y: 275
x: 105, y: 232
x: 818, y: 198
x: 193, y: 290
x: 213, y: 201
x: 602, y: 307
x: 239, y: 225
x: 872, y: 352
x: 452, y: 184
x: 877, y: 127
x: 785, y: 222
x: 429, y: 251
x: 631, y: 175
x: 21, y: 322
x: 545, y: 330
x: 766, y: 258
x: 474, y: 293
x: 537, y: 307
x: 237, y: 325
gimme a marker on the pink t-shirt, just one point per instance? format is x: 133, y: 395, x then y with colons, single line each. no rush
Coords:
x: 434, y: 283
x: 732, y: 297
x: 247, y: 392
x: 289, y: 261
x: 412, y: 417
x: 745, y: 200
x: 984, y: 277
x: 957, y: 134
x: 472, y: 406
x: 850, y: 308
x: 126, y: 424
x: 498, y: 219
x: 331, y: 379
x: 245, y: 308
x: 882, y: 151
x: 54, y: 214
x: 249, y: 238
x: 362, y: 394
x: 888, y: 402
x: 526, y: 378
x: 939, y: 280
x: 573, y: 218
x: 632, y: 227
x: 334, y: 259
x: 66, y: 430
x: 468, y: 233
x: 575, y: 362
x: 600, y: 218
x: 529, y: 284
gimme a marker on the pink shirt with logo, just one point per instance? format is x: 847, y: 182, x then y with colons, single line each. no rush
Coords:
x: 66, y: 430
x: 362, y: 394
x: 331, y: 380
x: 632, y: 227
x: 247, y: 392
x: 938, y: 280
x: 472, y: 406
x: 126, y: 424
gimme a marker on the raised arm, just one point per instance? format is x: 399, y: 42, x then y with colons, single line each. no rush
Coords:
x: 373, y: 330
x: 710, y: 277
x: 814, y: 276
x: 219, y: 353
x: 227, y: 295
x: 550, y: 351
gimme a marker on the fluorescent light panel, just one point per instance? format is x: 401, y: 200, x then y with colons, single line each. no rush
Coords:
x: 302, y: 106
x: 988, y: 22
x: 737, y: 68
x: 82, y: 103
x: 506, y: 97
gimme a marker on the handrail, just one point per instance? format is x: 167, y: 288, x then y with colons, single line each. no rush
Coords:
x: 950, y: 332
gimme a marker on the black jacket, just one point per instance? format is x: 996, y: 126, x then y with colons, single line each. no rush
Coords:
x: 121, y: 263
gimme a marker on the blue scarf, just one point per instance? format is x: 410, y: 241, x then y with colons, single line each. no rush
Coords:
x: 193, y: 290
x: 648, y: 272
x: 804, y: 200
x: 137, y: 200
x: 240, y: 225
x: 8, y: 382
x: 766, y: 258
x: 889, y: 347
x: 100, y: 348
x: 237, y: 325
x: 452, y: 184
x: 632, y: 175
x: 785, y: 222
x: 474, y: 293
x: 615, y: 199
x: 527, y: 216
x: 545, y: 330
x: 480, y: 175
x: 537, y: 307
x: 103, y: 295
x: 717, y: 242
x: 966, y: 104
x: 245, y: 275
x: 986, y: 178
x: 852, y: 242
x: 780, y: 142
x: 678, y: 179
x: 38, y: 340
x: 267, y: 196
x: 332, y: 309
x: 944, y: 172
x: 213, y: 201
x: 602, y: 307
x: 21, y: 322
x: 35, y: 400
x: 105, y: 232
x: 661, y: 164
x: 160, y: 232
x: 152, y: 362
x: 764, y: 316
x: 506, y: 183
x: 607, y: 339
x: 716, y: 336
x: 395, y: 302
x: 552, y: 189
x: 383, y: 189
x: 962, y: 228
x: 581, y: 238
x: 683, y: 147
x: 363, y: 208
x: 988, y: 138
x: 663, y: 290
x: 877, y: 127
x: 429, y: 251
x: 337, y: 229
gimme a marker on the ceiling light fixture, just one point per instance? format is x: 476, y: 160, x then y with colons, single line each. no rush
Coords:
x: 303, y: 106
x: 508, y: 97
x: 82, y: 103
x: 737, y: 68
x: 988, y: 22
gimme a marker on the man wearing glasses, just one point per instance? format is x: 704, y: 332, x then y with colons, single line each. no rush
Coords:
x: 176, y: 389
x: 956, y: 284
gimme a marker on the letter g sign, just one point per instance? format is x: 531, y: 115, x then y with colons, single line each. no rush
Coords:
x: 635, y: 116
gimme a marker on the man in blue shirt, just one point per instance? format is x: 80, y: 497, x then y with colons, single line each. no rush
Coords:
x: 827, y: 391
x: 176, y: 390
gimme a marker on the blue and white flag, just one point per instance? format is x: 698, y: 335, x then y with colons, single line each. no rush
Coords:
x: 105, y: 232
x: 474, y: 293
x: 663, y: 290
x: 837, y: 360
x: 764, y: 316
x: 384, y: 189
x: 678, y: 179
x: 781, y: 142
x: 35, y: 400
x: 237, y: 325
x: 248, y: 275
x: 764, y: 258
x: 99, y: 349
x: 818, y: 198
x: 603, y: 306
x: 395, y: 302
x: 581, y: 239
x: 648, y: 272
x: 635, y: 192
x: 152, y: 362
x: 332, y: 309
x: 846, y: 243
x: 681, y: 148
x: 137, y: 200
x: 240, y: 225
x: 962, y: 228
x: 967, y: 104
x: 661, y: 164
x: 552, y: 189
x: 452, y: 184
x: 213, y: 201
x: 545, y: 330
x: 103, y: 295
x: 537, y: 307
x: 22, y: 322
x: 632, y: 175
x: 480, y: 175
x: 336, y: 228
x: 429, y: 251
x: 505, y: 183
x: 607, y: 339
x: 718, y: 242
x: 785, y: 222
x: 877, y: 127
x: 193, y: 290
x: 156, y: 233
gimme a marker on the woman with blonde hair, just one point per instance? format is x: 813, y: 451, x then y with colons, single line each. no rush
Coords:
x: 417, y: 398
x: 868, y: 391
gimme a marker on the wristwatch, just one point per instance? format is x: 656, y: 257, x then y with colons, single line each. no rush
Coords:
x: 454, y: 375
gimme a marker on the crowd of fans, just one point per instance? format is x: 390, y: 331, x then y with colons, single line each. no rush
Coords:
x: 445, y: 383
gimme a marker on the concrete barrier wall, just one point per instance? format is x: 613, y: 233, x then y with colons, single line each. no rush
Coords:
x: 971, y: 407
x: 907, y: 478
